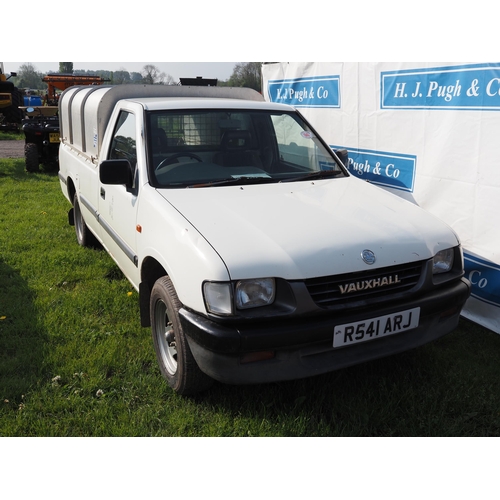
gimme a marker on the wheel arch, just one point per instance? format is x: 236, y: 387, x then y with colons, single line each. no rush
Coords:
x: 71, y: 189
x: 151, y: 271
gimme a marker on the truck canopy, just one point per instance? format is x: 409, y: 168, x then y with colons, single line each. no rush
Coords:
x: 85, y: 111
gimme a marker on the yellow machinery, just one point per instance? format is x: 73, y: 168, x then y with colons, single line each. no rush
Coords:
x: 10, y: 100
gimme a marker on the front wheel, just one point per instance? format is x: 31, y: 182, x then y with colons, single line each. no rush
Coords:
x: 176, y: 361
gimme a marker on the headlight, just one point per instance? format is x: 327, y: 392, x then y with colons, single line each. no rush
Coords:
x: 247, y: 294
x: 443, y: 261
x: 218, y: 298
x: 254, y: 293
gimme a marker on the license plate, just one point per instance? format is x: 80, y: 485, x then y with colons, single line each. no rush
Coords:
x: 370, y: 329
x: 53, y: 137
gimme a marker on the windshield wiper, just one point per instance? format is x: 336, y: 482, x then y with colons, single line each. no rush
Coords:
x: 235, y: 181
x: 319, y: 174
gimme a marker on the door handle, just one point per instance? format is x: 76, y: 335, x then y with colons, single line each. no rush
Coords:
x: 103, y: 193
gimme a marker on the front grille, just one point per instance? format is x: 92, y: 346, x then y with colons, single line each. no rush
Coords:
x: 327, y: 291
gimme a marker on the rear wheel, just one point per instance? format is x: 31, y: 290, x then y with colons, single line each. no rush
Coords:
x: 83, y: 235
x: 176, y: 361
x: 31, y: 157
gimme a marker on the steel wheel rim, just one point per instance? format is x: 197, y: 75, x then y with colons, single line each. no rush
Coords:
x: 164, y: 328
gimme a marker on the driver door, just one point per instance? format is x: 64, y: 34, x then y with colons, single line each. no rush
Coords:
x: 117, y: 203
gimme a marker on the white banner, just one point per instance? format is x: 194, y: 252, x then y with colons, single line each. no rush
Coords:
x: 428, y: 132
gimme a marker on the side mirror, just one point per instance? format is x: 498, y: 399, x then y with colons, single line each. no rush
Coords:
x: 343, y: 156
x: 116, y: 172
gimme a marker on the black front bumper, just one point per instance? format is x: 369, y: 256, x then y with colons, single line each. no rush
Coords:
x: 304, y: 347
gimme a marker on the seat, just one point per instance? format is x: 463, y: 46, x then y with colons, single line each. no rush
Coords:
x: 160, y: 141
x: 236, y: 150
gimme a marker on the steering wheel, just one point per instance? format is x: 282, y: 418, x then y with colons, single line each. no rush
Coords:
x: 170, y: 159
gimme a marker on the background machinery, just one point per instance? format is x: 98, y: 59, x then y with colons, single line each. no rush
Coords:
x: 10, y: 100
x: 41, y: 123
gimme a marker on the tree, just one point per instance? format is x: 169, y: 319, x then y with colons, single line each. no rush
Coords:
x: 121, y: 76
x: 66, y: 67
x: 135, y: 77
x: 103, y: 73
x: 29, y: 78
x: 153, y: 76
x: 169, y: 80
x: 247, y: 75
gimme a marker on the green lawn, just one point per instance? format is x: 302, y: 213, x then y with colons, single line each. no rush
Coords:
x: 11, y: 135
x: 74, y: 360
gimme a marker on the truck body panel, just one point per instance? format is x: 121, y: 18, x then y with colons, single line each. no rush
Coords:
x: 254, y: 237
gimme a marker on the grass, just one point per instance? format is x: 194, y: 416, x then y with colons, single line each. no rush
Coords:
x: 11, y: 135
x: 74, y: 360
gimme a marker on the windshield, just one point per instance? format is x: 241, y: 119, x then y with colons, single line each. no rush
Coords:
x: 192, y: 148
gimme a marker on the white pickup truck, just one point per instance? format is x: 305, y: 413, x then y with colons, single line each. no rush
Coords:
x: 256, y: 256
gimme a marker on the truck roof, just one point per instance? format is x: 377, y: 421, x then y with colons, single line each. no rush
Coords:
x: 156, y: 104
x: 108, y: 96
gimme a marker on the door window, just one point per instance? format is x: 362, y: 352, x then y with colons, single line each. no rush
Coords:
x: 124, y: 139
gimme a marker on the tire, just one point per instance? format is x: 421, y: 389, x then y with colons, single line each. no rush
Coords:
x: 176, y: 361
x: 31, y: 157
x: 83, y: 235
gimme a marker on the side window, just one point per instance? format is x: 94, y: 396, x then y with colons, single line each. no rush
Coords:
x: 123, y: 145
